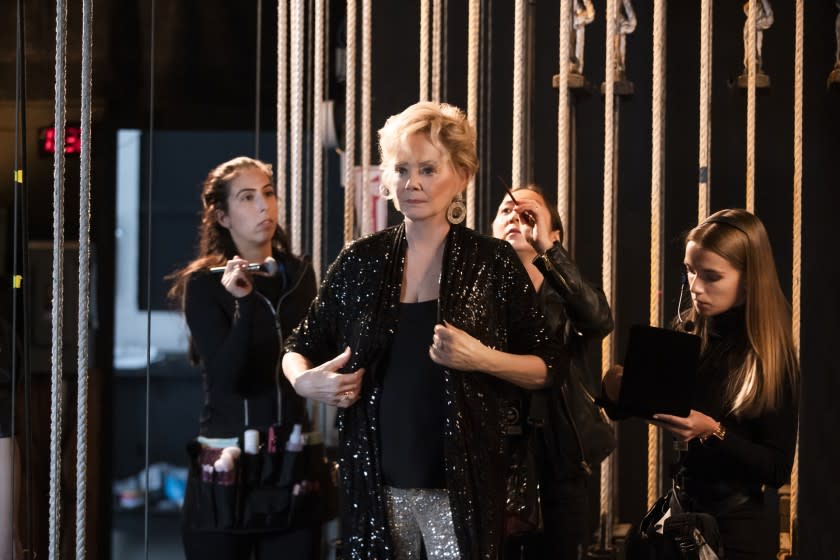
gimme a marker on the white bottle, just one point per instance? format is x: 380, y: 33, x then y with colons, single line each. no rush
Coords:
x: 251, y: 442
x: 295, y: 442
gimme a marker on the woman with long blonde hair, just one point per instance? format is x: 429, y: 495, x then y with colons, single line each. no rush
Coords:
x: 741, y: 431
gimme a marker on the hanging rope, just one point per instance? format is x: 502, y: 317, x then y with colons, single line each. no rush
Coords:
x: 516, y: 175
x: 473, y: 36
x: 436, y: 48
x: 657, y: 210
x: 796, y: 275
x: 147, y: 429
x: 563, y: 117
x: 704, y: 157
x: 424, y: 50
x: 318, y: 143
x: 58, y: 277
x: 20, y: 285
x: 84, y: 279
x: 607, y: 265
x: 751, y: 61
x: 296, y: 83
x: 350, y: 123
x: 257, y: 80
x: 367, y: 223
x: 282, y: 109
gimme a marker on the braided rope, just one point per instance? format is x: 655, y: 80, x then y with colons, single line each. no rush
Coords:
x: 705, y: 150
x: 318, y: 142
x: 56, y: 385
x: 84, y: 280
x: 518, y: 136
x: 607, y: 265
x: 258, y: 80
x: 751, y: 61
x: 350, y: 123
x: 296, y: 8
x: 282, y: 108
x: 657, y: 207
x: 424, y: 50
x: 796, y: 276
x: 437, y: 19
x: 563, y: 117
x: 367, y: 225
x: 473, y: 35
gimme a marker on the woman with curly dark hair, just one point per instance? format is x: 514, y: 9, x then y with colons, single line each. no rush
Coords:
x: 237, y: 320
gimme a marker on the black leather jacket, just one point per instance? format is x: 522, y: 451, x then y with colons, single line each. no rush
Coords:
x: 485, y: 291
x: 578, y: 315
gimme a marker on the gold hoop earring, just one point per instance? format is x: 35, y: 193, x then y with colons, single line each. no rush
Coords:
x: 457, y: 211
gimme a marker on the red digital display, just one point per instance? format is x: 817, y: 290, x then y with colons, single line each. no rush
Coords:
x: 72, y: 139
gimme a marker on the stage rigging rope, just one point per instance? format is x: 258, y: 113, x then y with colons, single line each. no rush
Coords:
x: 84, y: 279
x: 350, y: 123
x: 282, y: 109
x: 366, y: 225
x: 318, y: 143
x: 148, y: 288
x: 424, y: 50
x: 796, y: 276
x: 518, y: 110
x: 705, y: 154
x: 436, y: 49
x: 296, y: 82
x: 257, y: 80
x: 563, y: 117
x: 57, y: 279
x: 752, y: 60
x: 473, y: 37
x: 657, y: 210
x: 20, y: 281
x: 607, y: 265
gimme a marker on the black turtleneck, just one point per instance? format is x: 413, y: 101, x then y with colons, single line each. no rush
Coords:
x: 756, y: 450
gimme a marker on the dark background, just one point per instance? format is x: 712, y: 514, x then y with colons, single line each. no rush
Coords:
x: 204, y: 76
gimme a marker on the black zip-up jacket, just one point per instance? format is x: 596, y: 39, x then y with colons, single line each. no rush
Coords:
x: 578, y: 315
x: 485, y: 291
x: 239, y: 357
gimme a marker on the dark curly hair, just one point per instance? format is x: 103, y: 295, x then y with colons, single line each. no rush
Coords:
x: 215, y: 245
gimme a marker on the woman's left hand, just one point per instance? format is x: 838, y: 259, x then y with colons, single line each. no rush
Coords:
x: 453, y: 348
x: 696, y: 424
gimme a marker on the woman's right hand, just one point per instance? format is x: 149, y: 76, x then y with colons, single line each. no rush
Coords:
x: 236, y: 278
x: 612, y: 382
x: 323, y: 383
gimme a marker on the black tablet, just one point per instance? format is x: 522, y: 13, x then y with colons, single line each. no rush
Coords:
x: 660, y: 369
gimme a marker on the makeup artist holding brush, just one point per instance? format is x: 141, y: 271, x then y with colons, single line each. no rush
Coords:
x: 578, y: 316
x: 243, y: 293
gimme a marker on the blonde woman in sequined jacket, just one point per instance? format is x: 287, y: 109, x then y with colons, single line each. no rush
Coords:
x: 441, y: 328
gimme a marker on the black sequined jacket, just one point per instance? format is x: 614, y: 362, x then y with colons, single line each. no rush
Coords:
x: 486, y: 292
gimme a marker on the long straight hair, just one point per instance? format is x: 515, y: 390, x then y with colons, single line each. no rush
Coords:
x: 770, y: 368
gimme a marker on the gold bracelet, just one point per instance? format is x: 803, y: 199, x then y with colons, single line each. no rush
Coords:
x: 719, y: 432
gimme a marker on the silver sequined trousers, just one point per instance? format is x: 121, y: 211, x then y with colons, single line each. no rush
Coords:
x: 417, y: 516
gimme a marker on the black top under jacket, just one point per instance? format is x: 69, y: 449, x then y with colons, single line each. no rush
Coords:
x: 486, y: 292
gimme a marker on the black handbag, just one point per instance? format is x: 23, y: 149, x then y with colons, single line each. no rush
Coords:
x: 523, y: 514
x: 593, y: 433
x: 682, y: 536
